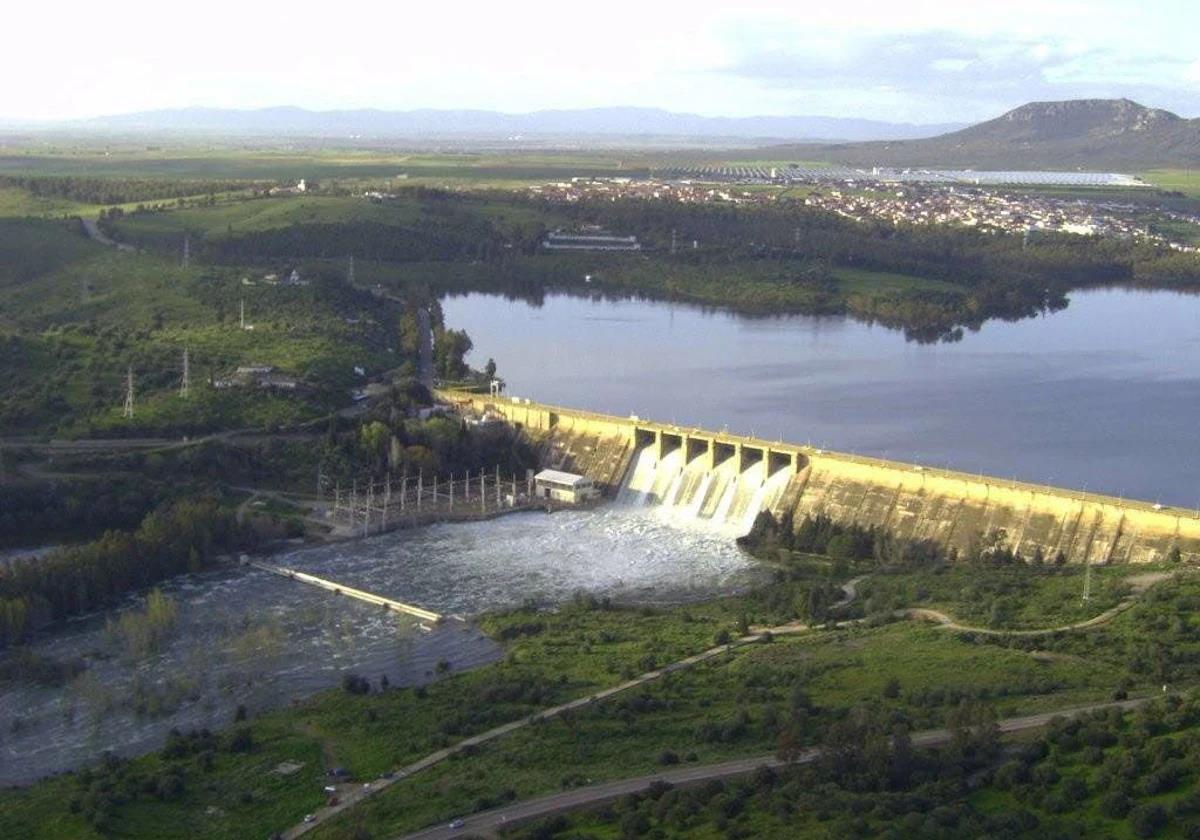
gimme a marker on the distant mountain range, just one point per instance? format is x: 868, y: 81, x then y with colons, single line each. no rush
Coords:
x: 1074, y: 134
x: 461, y: 124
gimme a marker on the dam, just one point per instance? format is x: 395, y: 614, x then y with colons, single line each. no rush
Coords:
x: 722, y: 481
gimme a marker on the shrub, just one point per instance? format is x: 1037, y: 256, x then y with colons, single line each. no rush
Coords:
x: 1147, y: 820
x: 356, y: 684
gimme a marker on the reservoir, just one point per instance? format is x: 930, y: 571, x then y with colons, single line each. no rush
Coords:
x: 1101, y: 396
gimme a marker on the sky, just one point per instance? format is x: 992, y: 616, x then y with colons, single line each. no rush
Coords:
x: 897, y: 61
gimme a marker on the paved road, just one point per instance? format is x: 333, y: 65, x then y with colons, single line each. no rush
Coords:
x: 488, y: 822
x: 351, y: 795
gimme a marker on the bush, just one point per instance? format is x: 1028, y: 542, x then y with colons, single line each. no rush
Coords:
x: 242, y: 740
x: 668, y: 757
x: 1147, y: 820
x: 356, y: 684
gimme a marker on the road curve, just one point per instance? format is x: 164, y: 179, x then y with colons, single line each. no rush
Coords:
x: 92, y: 229
x: 488, y: 822
x: 1140, y: 584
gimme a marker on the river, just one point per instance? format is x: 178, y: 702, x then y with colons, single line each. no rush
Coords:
x: 1100, y: 396
x: 247, y: 637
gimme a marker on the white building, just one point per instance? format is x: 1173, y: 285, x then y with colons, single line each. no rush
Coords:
x: 563, y: 487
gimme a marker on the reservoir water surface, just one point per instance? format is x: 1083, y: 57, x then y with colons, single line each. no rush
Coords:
x: 1102, y: 396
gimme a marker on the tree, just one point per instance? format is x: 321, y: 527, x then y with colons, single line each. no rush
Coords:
x: 449, y: 354
x: 489, y: 370
x: 1147, y: 820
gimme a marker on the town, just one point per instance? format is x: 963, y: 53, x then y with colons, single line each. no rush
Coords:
x: 863, y: 197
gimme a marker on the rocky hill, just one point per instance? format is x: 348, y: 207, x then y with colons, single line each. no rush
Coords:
x: 1075, y: 134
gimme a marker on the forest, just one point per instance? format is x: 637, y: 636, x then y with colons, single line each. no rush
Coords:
x: 1132, y: 773
x: 108, y: 191
x: 182, y: 536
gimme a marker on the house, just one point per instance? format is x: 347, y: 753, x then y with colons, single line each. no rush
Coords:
x: 254, y: 370
x: 559, y: 486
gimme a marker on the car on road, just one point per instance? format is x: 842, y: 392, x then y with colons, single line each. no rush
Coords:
x: 456, y: 824
x: 310, y: 818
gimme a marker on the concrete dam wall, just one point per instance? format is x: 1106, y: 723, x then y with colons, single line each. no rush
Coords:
x: 725, y: 480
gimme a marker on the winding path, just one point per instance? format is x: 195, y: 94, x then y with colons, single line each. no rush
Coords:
x: 351, y: 795
x: 1138, y: 583
x: 92, y: 229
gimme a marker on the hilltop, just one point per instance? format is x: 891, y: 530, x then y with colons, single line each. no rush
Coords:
x: 1082, y: 133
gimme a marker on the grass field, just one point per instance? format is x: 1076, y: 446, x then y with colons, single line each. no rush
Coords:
x: 75, y: 315
x: 1020, y: 597
x: 284, y: 165
x: 1186, y: 181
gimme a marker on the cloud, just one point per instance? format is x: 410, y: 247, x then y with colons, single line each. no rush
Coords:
x: 978, y: 75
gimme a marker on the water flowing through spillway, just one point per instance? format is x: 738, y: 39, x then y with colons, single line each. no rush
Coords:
x: 695, y: 493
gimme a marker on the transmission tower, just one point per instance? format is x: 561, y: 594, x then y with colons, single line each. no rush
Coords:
x: 187, y: 250
x: 127, y: 413
x: 185, y: 384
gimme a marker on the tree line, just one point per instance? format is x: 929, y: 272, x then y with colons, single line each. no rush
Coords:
x: 91, y: 190
x: 177, y: 537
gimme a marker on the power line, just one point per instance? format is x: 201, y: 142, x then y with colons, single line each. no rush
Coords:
x: 185, y: 383
x: 127, y: 412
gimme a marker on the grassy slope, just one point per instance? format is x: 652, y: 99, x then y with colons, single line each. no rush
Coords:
x: 66, y: 363
x: 552, y: 657
x: 1186, y: 181
x: 1029, y: 597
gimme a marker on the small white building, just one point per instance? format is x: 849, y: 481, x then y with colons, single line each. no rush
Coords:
x: 563, y: 487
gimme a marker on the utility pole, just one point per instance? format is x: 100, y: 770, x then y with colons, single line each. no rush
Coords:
x: 243, y: 314
x: 127, y: 412
x: 350, y: 271
x: 367, y: 512
x: 187, y: 250
x: 1087, y: 579
x: 672, y: 240
x: 185, y: 384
